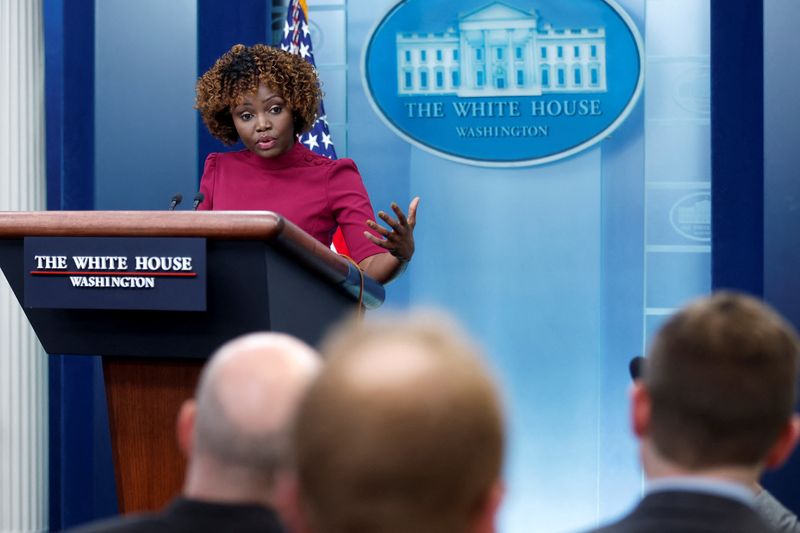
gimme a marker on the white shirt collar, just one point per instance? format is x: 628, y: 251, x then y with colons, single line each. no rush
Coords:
x: 708, y: 485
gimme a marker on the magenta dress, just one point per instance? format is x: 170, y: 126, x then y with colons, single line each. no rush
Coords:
x: 316, y: 193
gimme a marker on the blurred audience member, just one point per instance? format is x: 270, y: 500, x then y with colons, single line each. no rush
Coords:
x: 713, y: 407
x: 773, y: 511
x: 235, y: 434
x: 401, y: 432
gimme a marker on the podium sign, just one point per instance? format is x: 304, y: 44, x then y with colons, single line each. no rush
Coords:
x: 164, y: 274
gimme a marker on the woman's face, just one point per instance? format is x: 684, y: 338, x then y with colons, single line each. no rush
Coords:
x: 264, y: 122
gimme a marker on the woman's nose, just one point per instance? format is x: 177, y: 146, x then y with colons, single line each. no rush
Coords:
x: 262, y: 122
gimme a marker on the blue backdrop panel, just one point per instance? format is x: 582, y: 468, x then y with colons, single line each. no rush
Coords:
x: 70, y: 96
x: 221, y: 25
x: 382, y: 157
x: 737, y: 145
x: 80, y: 465
x: 618, y: 472
x: 145, y: 148
x: 545, y: 267
x: 522, y: 268
x: 755, y: 217
x: 54, y: 53
x: 782, y: 189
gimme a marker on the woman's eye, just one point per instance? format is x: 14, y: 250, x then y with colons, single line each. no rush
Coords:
x: 246, y: 116
x: 275, y: 109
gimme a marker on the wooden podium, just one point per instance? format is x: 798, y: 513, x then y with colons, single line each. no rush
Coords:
x: 263, y: 273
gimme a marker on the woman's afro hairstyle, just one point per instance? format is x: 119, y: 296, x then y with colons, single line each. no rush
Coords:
x: 240, y: 71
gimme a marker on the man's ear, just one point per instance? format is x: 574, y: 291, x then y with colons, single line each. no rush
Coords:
x: 486, y: 516
x: 185, y: 426
x: 785, y: 443
x: 641, y: 409
x: 289, y: 502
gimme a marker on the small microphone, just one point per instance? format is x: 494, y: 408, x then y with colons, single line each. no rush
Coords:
x: 198, y: 199
x: 178, y: 198
x: 635, y: 367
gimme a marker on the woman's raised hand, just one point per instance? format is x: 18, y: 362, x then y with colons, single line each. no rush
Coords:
x: 399, y: 240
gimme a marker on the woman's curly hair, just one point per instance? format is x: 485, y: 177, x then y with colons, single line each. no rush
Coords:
x: 240, y: 71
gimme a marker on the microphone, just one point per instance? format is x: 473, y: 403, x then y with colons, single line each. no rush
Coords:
x: 178, y: 198
x: 198, y: 199
x: 635, y: 367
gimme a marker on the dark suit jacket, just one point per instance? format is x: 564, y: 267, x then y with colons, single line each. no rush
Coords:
x: 689, y: 512
x: 184, y: 515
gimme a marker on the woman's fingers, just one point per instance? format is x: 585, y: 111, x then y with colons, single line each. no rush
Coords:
x: 390, y: 221
x: 412, y: 212
x: 383, y: 243
x: 400, y: 215
x: 377, y: 227
x: 399, y: 240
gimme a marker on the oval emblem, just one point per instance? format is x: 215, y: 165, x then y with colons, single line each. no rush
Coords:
x: 692, y: 91
x: 502, y: 84
x: 691, y: 216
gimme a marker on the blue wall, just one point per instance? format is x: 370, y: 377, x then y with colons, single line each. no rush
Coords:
x: 220, y: 25
x: 80, y: 464
x: 737, y: 146
x: 145, y: 127
x: 755, y: 163
x: 544, y: 265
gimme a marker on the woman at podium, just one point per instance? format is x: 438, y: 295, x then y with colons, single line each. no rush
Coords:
x: 267, y: 97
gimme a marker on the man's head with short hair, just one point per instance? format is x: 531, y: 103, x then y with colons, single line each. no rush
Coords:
x: 401, y: 431
x: 236, y: 430
x: 719, y: 387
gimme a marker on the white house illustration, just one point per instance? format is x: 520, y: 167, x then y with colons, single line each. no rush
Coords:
x: 499, y: 50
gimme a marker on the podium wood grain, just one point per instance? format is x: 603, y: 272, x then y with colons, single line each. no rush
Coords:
x: 144, y: 397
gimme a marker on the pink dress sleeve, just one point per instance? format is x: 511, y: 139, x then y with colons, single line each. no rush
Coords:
x: 207, y: 183
x: 351, y: 208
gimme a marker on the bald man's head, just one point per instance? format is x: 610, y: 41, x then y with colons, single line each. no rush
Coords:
x: 245, y: 402
x: 402, y: 430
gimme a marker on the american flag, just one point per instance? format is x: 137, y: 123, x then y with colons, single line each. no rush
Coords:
x: 297, y: 40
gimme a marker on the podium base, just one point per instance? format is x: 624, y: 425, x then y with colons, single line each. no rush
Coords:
x: 144, y: 397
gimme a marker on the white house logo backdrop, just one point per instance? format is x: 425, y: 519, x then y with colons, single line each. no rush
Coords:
x: 509, y: 83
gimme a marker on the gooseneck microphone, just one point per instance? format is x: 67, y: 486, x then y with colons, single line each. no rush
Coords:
x: 198, y: 199
x: 178, y: 198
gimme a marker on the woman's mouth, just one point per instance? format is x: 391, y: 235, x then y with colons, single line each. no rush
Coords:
x: 265, y: 143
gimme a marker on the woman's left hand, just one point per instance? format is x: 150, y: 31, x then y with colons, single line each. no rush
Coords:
x: 399, y: 241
